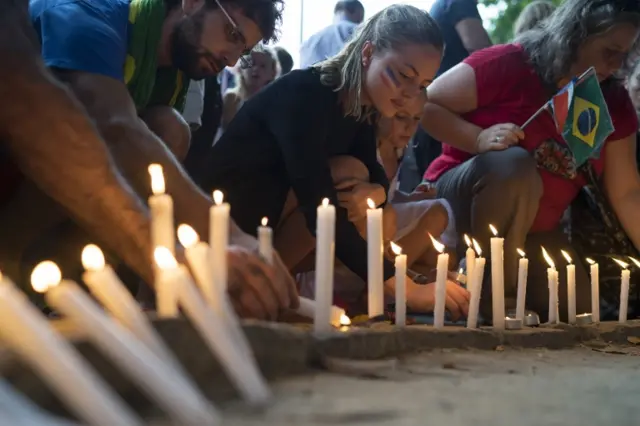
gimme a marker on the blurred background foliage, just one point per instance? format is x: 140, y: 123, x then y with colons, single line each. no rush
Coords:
x: 501, y: 28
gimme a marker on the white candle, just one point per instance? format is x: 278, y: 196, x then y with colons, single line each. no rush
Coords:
x: 375, y: 251
x: 552, y: 277
x: 401, y: 285
x: 497, y: 279
x: 161, y: 206
x: 265, y: 241
x: 325, y: 252
x: 625, y: 276
x: 27, y: 333
x: 211, y: 327
x: 169, y: 390
x: 523, y: 269
x: 107, y: 288
x: 307, y: 309
x: 571, y: 288
x: 595, y: 290
x: 470, y: 260
x: 441, y: 283
x: 475, y: 289
x: 219, y: 240
x: 166, y: 293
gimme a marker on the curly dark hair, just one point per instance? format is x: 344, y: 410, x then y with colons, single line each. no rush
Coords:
x: 267, y: 14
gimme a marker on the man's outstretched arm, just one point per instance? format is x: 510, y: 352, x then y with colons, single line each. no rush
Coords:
x: 55, y: 145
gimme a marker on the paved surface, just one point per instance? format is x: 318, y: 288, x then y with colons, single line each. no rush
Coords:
x: 582, y: 387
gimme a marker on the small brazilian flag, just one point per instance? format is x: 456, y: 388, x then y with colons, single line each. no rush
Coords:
x: 582, y: 117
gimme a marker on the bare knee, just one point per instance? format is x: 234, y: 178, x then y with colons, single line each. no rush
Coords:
x: 347, y: 168
x: 169, y: 126
x: 434, y: 220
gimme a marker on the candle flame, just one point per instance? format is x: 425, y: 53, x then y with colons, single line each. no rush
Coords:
x: 635, y: 261
x: 164, y: 259
x: 397, y: 250
x: 264, y: 221
x: 187, y: 236
x: 157, y: 179
x: 494, y: 231
x: 325, y: 202
x: 45, y: 275
x: 460, y: 271
x: 591, y: 261
x: 476, y: 246
x: 371, y: 204
x: 344, y: 320
x: 218, y: 197
x: 566, y: 256
x: 621, y: 263
x: 521, y: 252
x: 437, y: 244
x: 92, y: 258
x: 468, y: 241
x: 548, y: 258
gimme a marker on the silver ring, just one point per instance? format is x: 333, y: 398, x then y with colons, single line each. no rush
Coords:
x: 498, y: 139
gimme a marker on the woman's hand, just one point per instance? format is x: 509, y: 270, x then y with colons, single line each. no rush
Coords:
x: 353, y: 197
x: 498, y: 137
x: 422, y: 298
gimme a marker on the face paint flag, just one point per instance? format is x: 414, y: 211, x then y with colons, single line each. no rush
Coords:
x: 582, y: 117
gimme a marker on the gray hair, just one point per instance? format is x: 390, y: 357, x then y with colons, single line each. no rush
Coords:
x: 553, y: 47
x: 392, y: 28
x: 532, y: 15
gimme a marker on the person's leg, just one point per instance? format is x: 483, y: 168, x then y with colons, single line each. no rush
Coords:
x: 502, y: 188
x: 537, y: 283
x: 169, y: 126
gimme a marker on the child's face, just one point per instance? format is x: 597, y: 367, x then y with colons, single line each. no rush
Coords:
x: 394, y: 78
x: 261, y: 73
x: 399, y: 129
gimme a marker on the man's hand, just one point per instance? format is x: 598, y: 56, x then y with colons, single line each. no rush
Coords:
x: 422, y: 298
x: 353, y: 197
x: 258, y: 290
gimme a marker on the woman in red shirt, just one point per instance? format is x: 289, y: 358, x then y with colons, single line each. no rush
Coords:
x: 522, y: 181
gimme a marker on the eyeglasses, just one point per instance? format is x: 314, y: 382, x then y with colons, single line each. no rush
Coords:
x: 238, y: 37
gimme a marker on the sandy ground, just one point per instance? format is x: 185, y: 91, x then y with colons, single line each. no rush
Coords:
x: 584, y: 387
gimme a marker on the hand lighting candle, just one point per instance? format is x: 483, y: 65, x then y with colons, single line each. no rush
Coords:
x: 595, y: 290
x: 441, y: 283
x: 265, y: 240
x: 497, y: 279
x: 470, y: 260
x: 571, y: 288
x: 523, y: 269
x: 401, y: 285
x: 375, y: 253
x: 624, y: 291
x: 219, y: 240
x: 552, y: 277
x: 476, y: 288
x: 325, y: 254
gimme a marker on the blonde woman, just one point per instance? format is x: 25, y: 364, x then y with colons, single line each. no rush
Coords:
x: 274, y: 158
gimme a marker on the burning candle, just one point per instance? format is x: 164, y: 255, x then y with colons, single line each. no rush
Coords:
x: 401, y: 285
x: 219, y: 240
x: 476, y: 287
x: 325, y: 253
x: 307, y: 309
x: 523, y: 269
x: 441, y: 283
x: 571, y: 288
x: 107, y: 288
x: 27, y: 333
x: 552, y: 277
x: 624, y: 290
x: 265, y: 240
x: 161, y: 206
x: 595, y: 290
x: 242, y: 371
x: 374, y: 260
x: 497, y: 279
x: 470, y: 259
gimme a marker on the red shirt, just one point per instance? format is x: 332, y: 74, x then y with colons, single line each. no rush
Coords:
x: 509, y: 91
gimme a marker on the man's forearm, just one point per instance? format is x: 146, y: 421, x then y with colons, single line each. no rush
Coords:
x: 627, y: 210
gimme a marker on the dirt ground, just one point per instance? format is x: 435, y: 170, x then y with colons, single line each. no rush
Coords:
x: 583, y: 387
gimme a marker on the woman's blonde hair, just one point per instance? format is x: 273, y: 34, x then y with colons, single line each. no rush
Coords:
x: 241, y: 84
x: 532, y: 15
x: 395, y: 27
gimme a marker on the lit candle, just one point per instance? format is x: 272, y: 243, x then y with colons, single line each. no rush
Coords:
x: 476, y: 288
x: 470, y: 260
x: 161, y: 206
x: 571, y: 288
x: 307, y: 309
x: 595, y: 290
x: 265, y: 240
x: 441, y: 283
x: 401, y: 285
x: 552, y: 277
x: 497, y: 279
x: 523, y: 269
x: 27, y: 333
x: 242, y: 372
x: 219, y: 240
x: 107, y: 288
x: 325, y: 253
x: 624, y: 291
x: 375, y: 251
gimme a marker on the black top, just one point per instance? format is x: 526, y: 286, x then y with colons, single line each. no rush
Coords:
x: 282, y: 138
x: 448, y: 13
